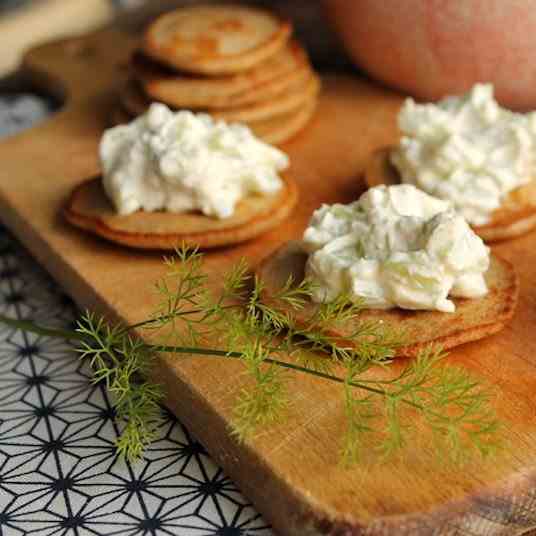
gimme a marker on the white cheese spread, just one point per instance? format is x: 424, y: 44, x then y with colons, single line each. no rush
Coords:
x: 467, y: 150
x: 395, y: 247
x: 182, y: 162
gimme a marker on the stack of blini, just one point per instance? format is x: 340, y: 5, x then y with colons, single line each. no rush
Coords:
x: 237, y: 63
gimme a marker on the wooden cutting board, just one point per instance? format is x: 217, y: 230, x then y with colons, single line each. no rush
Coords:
x: 291, y: 472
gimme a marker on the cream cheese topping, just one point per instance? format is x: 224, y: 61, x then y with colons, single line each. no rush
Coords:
x: 395, y: 247
x: 182, y: 162
x: 467, y: 150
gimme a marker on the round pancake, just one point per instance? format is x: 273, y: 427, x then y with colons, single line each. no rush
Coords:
x: 260, y: 83
x: 88, y: 208
x: 267, y: 93
x: 516, y: 216
x: 215, y: 39
x: 290, y: 100
x: 296, y: 95
x: 472, y: 320
x: 132, y: 98
x: 283, y: 128
x: 275, y: 130
x: 119, y: 116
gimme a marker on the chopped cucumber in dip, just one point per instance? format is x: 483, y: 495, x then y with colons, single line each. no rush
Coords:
x: 395, y: 247
x: 467, y: 150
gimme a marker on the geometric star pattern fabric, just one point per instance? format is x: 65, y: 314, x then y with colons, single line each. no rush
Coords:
x: 59, y: 474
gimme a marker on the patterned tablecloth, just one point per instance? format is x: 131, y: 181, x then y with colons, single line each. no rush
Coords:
x: 58, y: 471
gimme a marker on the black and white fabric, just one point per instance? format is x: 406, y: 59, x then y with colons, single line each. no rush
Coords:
x: 19, y: 111
x: 59, y: 474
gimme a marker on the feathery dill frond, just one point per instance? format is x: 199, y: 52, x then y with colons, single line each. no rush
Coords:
x: 359, y: 413
x: 265, y: 336
x: 369, y: 340
x: 280, y: 309
x: 458, y: 409
x: 182, y: 291
x: 140, y: 412
x: 294, y: 295
x: 426, y: 397
x: 312, y: 360
x: 122, y: 362
x: 360, y: 410
x: 265, y: 402
x: 340, y: 311
x: 189, y: 310
x: 235, y: 282
x: 97, y: 347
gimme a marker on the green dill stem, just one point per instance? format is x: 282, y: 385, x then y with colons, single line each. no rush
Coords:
x: 208, y: 352
x: 29, y: 326
x: 163, y: 318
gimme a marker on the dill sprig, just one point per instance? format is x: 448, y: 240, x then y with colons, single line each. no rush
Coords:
x: 382, y: 414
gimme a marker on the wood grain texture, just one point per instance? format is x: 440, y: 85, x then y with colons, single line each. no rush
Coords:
x: 291, y: 472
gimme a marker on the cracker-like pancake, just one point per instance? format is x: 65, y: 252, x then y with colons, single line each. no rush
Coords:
x: 119, y: 116
x: 269, y: 78
x: 132, y: 98
x: 275, y: 130
x: 283, y: 128
x: 295, y: 96
x: 472, y: 320
x: 215, y: 39
x: 515, y: 217
x: 89, y: 208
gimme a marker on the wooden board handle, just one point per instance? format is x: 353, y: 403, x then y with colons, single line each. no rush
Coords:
x: 45, y: 20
